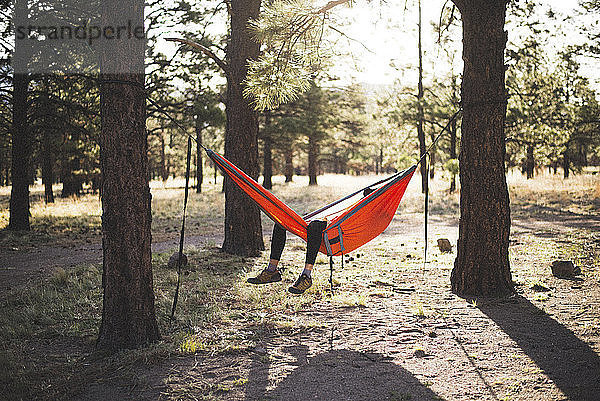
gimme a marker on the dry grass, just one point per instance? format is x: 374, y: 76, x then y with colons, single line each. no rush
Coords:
x: 76, y: 220
x: 579, y: 194
x: 47, y: 331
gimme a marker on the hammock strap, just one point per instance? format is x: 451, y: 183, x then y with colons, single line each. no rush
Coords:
x: 182, y: 235
x: 428, y: 164
x: 439, y: 135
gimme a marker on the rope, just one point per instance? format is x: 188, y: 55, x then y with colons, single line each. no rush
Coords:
x: 155, y: 104
x: 182, y: 235
x: 426, y: 211
x: 331, y: 274
x: 439, y: 135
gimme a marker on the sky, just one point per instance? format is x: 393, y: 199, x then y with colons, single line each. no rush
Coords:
x: 379, y: 41
x: 389, y: 32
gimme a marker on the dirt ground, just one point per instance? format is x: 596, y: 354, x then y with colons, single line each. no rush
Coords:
x: 411, y: 339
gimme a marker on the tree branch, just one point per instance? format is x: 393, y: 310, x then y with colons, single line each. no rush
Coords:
x: 209, y: 53
x: 351, y: 39
x: 330, y: 5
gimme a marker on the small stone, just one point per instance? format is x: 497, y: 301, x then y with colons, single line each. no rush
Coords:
x: 420, y: 353
x: 564, y: 268
x: 444, y: 245
x: 539, y: 288
x: 172, y: 263
x: 260, y: 350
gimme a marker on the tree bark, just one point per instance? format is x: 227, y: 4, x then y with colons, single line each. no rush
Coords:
x: 530, y: 161
x: 21, y: 156
x: 164, y: 169
x: 289, y: 164
x: 199, y: 169
x: 243, y: 231
x: 566, y: 163
x: 482, y: 267
x: 2, y: 167
x: 431, y: 161
x: 420, y: 113
x: 21, y: 141
x: 453, y: 153
x: 312, y: 160
x: 72, y: 184
x: 267, y: 154
x: 268, y: 163
x: 47, y: 167
x: 128, y: 315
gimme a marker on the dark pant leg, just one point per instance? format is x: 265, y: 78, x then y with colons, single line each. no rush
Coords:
x: 277, y: 241
x: 313, y: 243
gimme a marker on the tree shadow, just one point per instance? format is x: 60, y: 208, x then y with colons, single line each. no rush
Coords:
x: 568, y: 361
x: 339, y: 375
x: 558, y: 216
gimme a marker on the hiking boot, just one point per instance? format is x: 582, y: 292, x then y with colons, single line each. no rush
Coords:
x: 302, y: 284
x: 265, y: 277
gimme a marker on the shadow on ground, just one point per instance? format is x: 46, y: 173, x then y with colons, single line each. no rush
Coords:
x: 569, y: 362
x: 338, y: 375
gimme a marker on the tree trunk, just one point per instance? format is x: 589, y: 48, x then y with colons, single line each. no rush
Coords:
x: 164, y: 170
x: 243, y: 231
x: 529, y: 162
x: 420, y: 114
x: 21, y: 155
x: 453, y: 153
x: 47, y: 167
x: 199, y: 170
x: 128, y: 315
x: 432, y: 163
x: 289, y: 164
x: 72, y: 183
x: 2, y: 167
x: 267, y: 163
x: 21, y: 141
x: 566, y: 163
x: 267, y: 154
x: 312, y: 161
x: 482, y: 267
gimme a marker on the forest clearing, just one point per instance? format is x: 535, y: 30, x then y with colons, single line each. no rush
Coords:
x: 329, y: 200
x: 391, y: 331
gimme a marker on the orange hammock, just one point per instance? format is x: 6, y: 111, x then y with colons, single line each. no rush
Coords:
x: 348, y: 228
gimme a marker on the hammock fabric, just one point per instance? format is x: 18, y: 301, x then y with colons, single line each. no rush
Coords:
x: 349, y: 229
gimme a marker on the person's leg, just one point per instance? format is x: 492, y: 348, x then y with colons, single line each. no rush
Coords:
x: 271, y: 274
x: 313, y: 243
x: 277, y: 244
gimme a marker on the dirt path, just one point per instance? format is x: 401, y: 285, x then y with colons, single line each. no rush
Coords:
x: 513, y: 349
x: 18, y: 267
x: 519, y: 348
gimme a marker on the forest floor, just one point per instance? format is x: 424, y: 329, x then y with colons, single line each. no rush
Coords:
x: 392, y: 330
